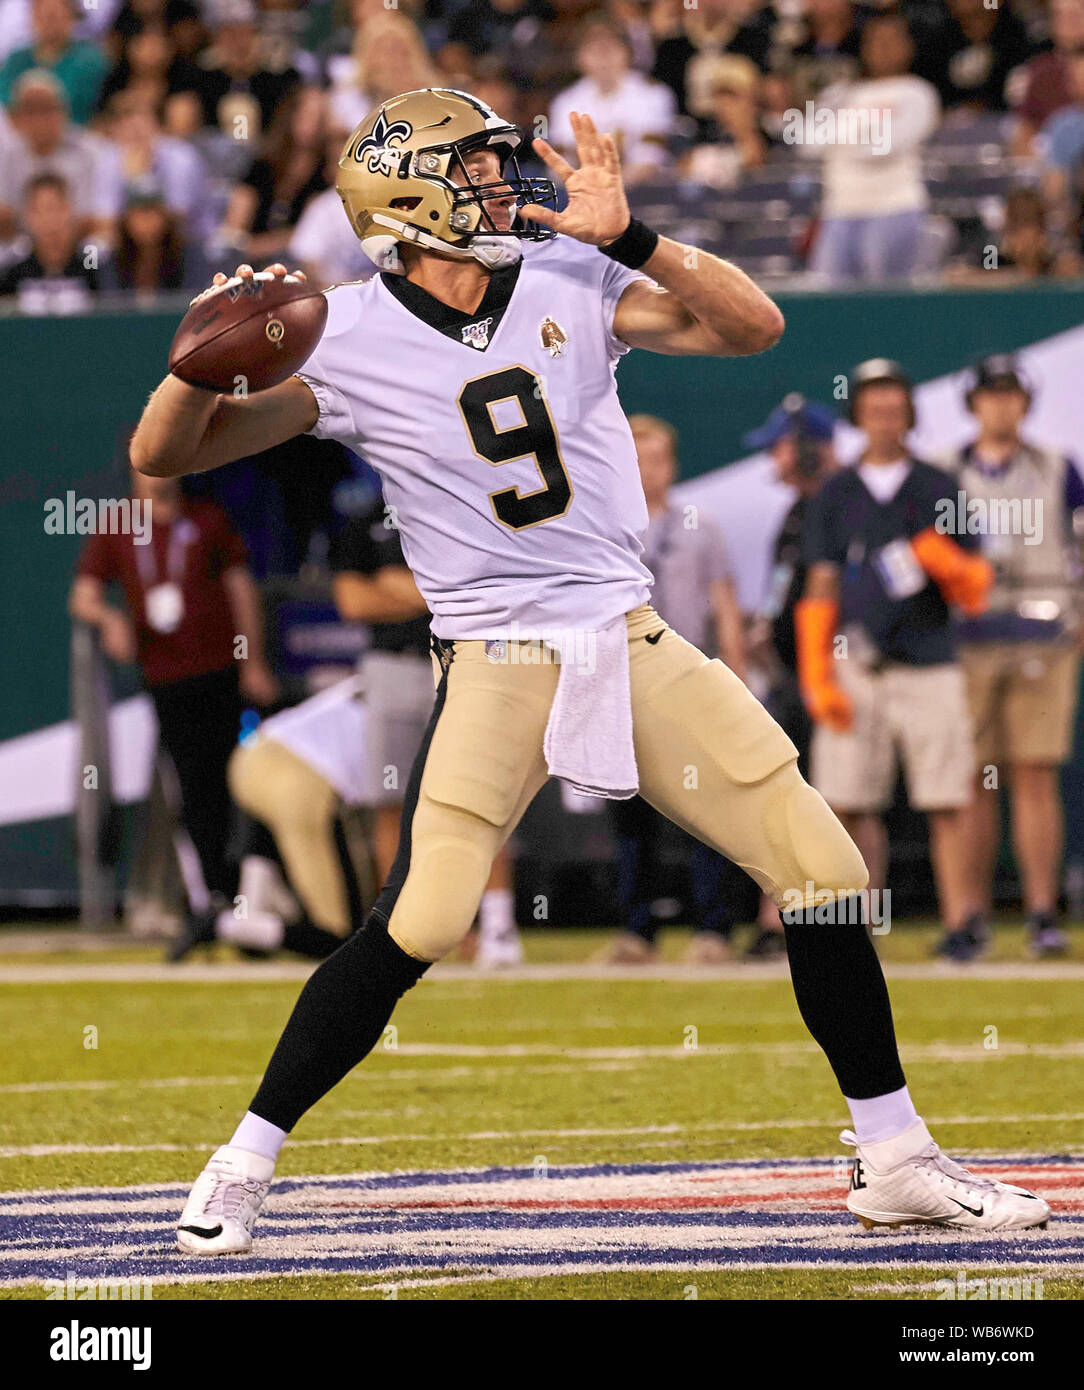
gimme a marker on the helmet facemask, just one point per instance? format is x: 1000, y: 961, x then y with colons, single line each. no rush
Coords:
x: 468, y: 195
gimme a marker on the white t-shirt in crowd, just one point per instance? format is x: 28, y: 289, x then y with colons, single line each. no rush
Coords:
x: 638, y: 112
x: 884, y: 480
x: 881, y: 175
x: 324, y: 239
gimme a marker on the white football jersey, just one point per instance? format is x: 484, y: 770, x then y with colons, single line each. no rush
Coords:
x: 506, y: 459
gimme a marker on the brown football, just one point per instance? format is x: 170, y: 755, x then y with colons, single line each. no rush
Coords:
x: 248, y: 333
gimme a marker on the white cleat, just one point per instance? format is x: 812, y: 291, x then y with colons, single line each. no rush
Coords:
x: 224, y: 1204
x: 907, y: 1181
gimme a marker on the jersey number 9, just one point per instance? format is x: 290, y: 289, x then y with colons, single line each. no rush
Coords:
x: 534, y: 438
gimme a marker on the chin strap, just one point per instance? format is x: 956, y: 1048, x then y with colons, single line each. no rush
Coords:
x: 493, y: 252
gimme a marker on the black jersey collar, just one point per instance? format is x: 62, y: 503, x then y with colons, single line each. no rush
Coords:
x: 474, y: 330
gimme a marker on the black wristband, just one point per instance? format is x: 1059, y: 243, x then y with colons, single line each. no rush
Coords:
x: 633, y: 247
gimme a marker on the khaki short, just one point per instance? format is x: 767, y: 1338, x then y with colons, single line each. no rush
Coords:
x: 1023, y: 698
x: 917, y: 714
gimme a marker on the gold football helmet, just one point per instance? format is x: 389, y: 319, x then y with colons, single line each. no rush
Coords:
x: 402, y: 179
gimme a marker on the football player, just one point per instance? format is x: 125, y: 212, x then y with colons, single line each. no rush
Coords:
x: 476, y: 373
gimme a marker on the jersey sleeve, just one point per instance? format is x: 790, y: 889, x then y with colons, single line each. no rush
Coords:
x: 616, y: 279
x: 327, y: 365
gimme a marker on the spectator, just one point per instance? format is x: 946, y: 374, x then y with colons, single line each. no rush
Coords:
x: 150, y: 253
x: 638, y: 112
x: 1061, y: 140
x: 45, y: 142
x: 150, y: 70
x: 881, y: 576
x: 79, y: 67
x: 487, y: 26
x: 283, y: 26
x: 335, y: 55
x: 237, y: 94
x: 265, y: 206
x: 1046, y: 76
x: 1022, y: 656
x: 60, y: 275
x: 734, y: 140
x: 514, y: 34
x: 685, y: 56
x: 16, y: 30
x: 323, y: 243
x: 799, y: 434
x: 974, y: 51
x: 389, y: 57
x: 693, y: 593
x: 874, y: 202
x: 634, y: 19
x: 1024, y: 251
x: 141, y: 150
x: 189, y: 599
x: 826, y: 51
x: 181, y: 20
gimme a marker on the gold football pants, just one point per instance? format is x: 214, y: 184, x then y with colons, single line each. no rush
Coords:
x: 709, y: 755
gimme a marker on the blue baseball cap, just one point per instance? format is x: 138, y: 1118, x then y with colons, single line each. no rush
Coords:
x: 794, y: 415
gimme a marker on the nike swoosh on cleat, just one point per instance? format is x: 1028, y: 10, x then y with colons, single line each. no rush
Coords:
x: 981, y: 1211
x: 207, y: 1235
x: 653, y: 637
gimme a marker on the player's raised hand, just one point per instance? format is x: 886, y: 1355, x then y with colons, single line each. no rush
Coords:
x: 597, y: 211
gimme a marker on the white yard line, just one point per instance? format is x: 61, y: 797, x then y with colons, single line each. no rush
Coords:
x: 255, y: 972
x: 752, y: 1126
x: 597, y: 1058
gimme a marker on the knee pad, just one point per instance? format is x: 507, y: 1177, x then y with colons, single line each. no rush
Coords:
x: 443, y: 887
x: 815, y: 852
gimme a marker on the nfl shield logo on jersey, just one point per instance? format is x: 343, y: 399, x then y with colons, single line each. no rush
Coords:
x: 476, y: 335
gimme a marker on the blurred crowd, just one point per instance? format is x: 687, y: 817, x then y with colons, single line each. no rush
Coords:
x: 145, y: 144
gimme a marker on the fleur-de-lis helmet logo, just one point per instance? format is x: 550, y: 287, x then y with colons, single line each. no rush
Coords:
x: 375, y: 150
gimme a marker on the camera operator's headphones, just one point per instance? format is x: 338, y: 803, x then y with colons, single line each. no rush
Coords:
x: 1000, y: 372
x: 879, y: 371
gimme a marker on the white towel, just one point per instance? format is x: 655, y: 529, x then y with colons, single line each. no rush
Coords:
x: 588, y: 739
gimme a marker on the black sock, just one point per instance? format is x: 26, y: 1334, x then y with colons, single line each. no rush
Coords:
x: 843, y: 999
x: 337, y: 1020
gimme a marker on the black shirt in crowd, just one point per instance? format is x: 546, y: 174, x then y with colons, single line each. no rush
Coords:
x: 846, y: 526
x: 75, y: 276
x: 274, y: 213
x: 369, y: 543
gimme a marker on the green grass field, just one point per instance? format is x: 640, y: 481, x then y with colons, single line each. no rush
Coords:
x: 117, y: 1082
